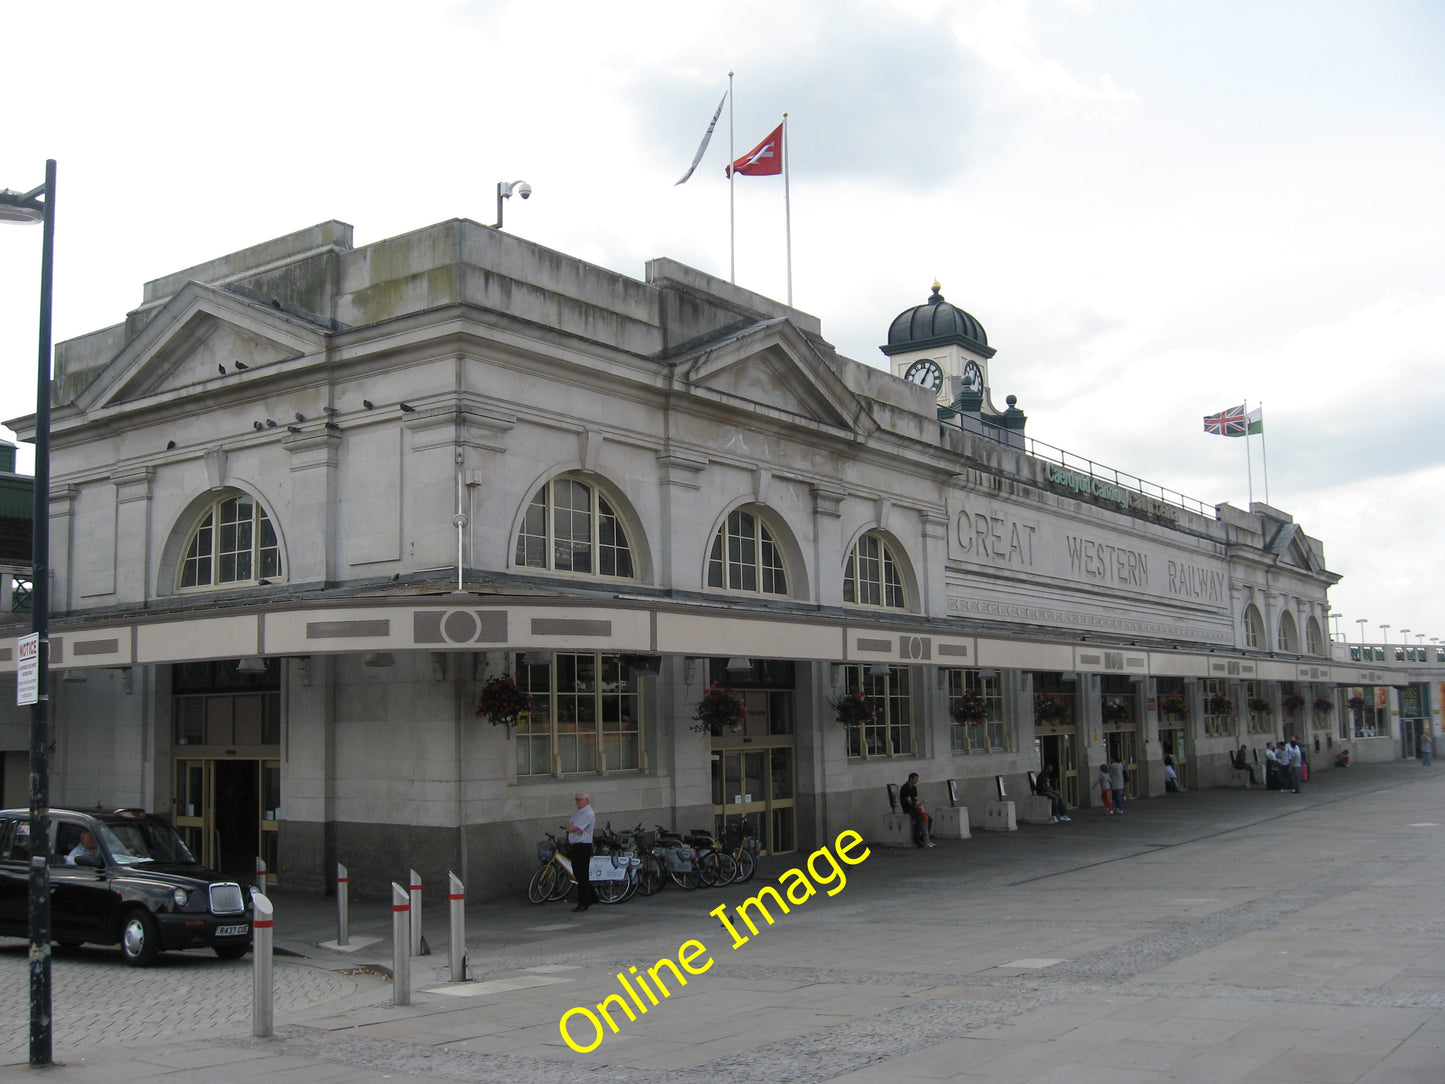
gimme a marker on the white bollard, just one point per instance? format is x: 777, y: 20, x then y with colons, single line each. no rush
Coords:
x: 400, y: 945
x: 260, y: 875
x: 262, y: 1001
x: 457, y: 898
x: 343, y: 906
x: 415, y: 913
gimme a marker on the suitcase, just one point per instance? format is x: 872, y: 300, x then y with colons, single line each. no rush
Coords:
x: 1304, y: 773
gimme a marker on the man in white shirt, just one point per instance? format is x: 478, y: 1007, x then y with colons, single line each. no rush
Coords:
x: 579, y: 848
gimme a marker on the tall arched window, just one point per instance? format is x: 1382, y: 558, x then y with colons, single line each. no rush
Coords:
x: 1288, y: 634
x: 570, y: 527
x: 232, y: 543
x: 871, y: 575
x: 1314, y: 641
x: 1253, y: 627
x: 746, y: 558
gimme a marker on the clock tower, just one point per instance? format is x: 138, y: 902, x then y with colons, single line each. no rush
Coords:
x: 940, y: 347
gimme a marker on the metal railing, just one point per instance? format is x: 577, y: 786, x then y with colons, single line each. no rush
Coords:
x: 1038, y: 449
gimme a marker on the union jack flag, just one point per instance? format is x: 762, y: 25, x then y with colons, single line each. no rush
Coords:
x: 1227, y: 423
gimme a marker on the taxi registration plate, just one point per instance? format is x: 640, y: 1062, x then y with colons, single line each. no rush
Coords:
x: 232, y: 931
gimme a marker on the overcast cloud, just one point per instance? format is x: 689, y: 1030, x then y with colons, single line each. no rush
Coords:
x: 1156, y: 209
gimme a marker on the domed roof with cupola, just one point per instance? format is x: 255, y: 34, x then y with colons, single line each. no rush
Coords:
x: 936, y: 323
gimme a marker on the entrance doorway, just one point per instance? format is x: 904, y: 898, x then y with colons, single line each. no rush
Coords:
x: 1058, y: 750
x: 1174, y: 743
x: 754, y: 771
x: 1123, y: 745
x: 227, y: 810
x: 227, y: 763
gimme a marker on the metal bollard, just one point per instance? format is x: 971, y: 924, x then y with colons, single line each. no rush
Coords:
x: 458, y: 939
x: 262, y: 1001
x: 260, y: 875
x: 343, y: 906
x: 415, y: 913
x: 400, y: 946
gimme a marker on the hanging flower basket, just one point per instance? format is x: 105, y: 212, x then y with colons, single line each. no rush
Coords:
x: 1050, y: 707
x: 1116, y: 711
x: 719, y: 711
x: 502, y: 700
x: 971, y: 709
x: 1323, y: 705
x: 1219, y: 704
x: 1292, y: 703
x: 1175, y: 704
x: 1258, y: 705
x: 853, y: 709
x: 1357, y: 704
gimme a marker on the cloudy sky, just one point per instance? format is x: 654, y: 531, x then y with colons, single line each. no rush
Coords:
x: 1157, y: 209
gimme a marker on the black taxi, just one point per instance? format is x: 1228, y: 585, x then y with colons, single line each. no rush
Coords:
x: 120, y: 877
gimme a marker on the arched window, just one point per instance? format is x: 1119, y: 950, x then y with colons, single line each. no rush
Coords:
x: 232, y: 543
x: 1315, y: 643
x: 1253, y: 627
x: 1288, y: 634
x: 746, y: 558
x: 871, y: 576
x: 570, y: 527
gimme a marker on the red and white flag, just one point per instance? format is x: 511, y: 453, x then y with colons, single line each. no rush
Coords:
x: 764, y: 160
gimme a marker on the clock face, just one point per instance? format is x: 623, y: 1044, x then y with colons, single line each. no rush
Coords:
x: 973, y: 377
x: 926, y: 374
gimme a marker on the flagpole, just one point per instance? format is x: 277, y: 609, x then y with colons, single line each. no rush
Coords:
x: 787, y: 207
x: 1263, y: 450
x: 732, y: 207
x: 1248, y: 463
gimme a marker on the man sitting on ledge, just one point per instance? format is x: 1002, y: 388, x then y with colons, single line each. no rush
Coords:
x: 1050, y: 790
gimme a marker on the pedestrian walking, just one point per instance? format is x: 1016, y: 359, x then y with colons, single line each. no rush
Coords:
x: 1116, y: 783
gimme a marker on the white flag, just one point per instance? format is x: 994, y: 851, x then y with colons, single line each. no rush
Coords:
x: 706, y: 136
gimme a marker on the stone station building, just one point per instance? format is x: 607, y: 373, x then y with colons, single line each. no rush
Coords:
x: 307, y: 498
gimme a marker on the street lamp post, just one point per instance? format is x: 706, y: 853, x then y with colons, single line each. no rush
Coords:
x: 1362, y: 622
x: 1336, y: 619
x: 1385, y: 635
x: 38, y: 205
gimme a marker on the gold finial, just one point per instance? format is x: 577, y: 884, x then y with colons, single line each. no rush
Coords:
x: 937, y: 286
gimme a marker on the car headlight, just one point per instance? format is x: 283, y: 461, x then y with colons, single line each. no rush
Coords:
x: 182, y: 897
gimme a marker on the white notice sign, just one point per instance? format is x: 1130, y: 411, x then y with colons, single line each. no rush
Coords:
x: 27, y: 669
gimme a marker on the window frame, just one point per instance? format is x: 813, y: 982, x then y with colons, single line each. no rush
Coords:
x: 892, y: 695
x: 261, y: 529
x: 601, y: 511
x: 886, y: 585
x: 762, y: 541
x: 995, y: 735
x: 612, y: 743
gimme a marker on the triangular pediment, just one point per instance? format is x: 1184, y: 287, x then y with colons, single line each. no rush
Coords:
x: 772, y: 366
x: 202, y: 338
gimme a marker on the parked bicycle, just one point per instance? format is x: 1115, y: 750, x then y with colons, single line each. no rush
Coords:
x: 740, y: 843
x: 553, y: 879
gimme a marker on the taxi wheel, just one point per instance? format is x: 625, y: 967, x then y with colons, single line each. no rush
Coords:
x: 140, y: 938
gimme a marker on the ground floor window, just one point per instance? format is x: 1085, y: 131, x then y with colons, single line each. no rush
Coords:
x: 889, y: 732
x: 985, y: 688
x: 588, y: 715
x: 1261, y: 719
x: 1219, y: 707
x: 1369, y: 712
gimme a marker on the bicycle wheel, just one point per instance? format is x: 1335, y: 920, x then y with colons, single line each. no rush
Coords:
x: 685, y: 878
x: 540, y: 886
x: 710, y: 869
x: 747, y: 864
x: 610, y: 891
x: 651, y: 877
x: 561, y: 885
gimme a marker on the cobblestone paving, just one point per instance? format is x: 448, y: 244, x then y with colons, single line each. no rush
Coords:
x: 96, y: 999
